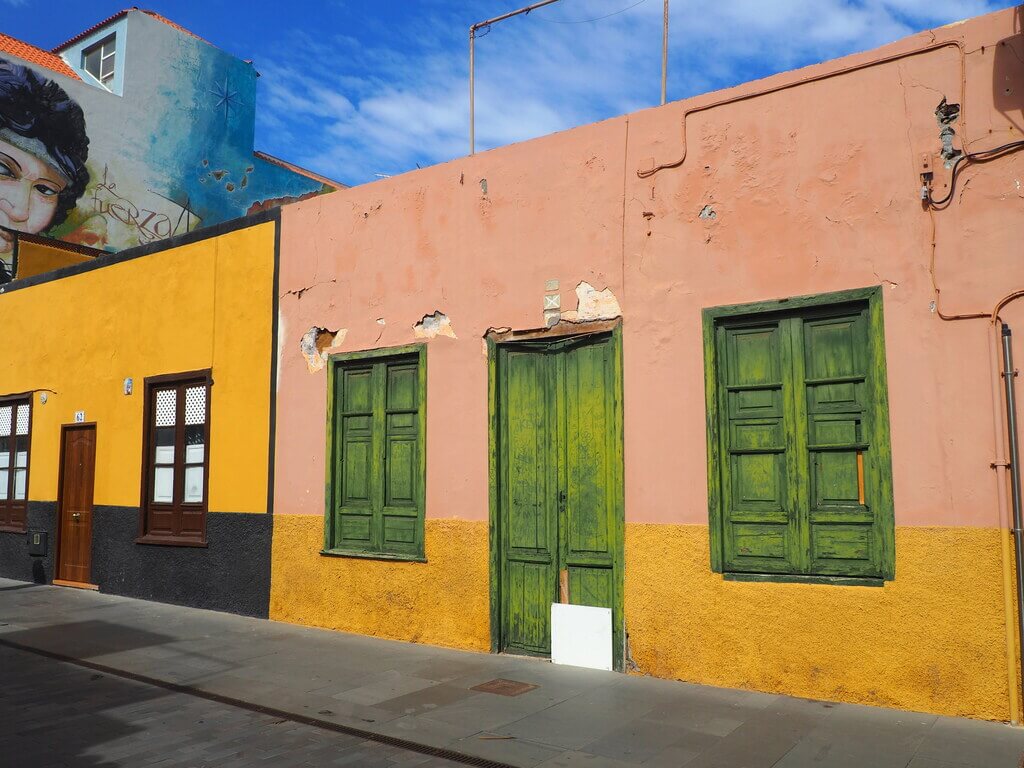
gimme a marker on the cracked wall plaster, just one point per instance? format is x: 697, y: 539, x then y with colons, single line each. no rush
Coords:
x: 946, y: 114
x: 314, y: 345
x: 434, y: 325
x: 707, y: 212
x: 593, y: 304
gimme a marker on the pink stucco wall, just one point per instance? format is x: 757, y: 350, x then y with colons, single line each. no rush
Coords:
x: 815, y: 188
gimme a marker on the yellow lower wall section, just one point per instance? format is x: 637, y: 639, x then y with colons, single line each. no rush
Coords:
x: 441, y: 602
x: 932, y: 640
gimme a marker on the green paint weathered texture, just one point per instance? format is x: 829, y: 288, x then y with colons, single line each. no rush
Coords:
x: 798, y: 438
x: 557, y: 485
x: 376, y: 466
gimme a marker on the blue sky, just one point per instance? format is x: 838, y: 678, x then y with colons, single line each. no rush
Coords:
x: 356, y: 88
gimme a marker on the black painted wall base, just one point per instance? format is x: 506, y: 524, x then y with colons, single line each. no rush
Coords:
x: 231, y: 574
x: 15, y: 562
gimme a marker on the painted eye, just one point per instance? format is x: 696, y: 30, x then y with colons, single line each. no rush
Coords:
x: 46, y: 191
x: 5, y: 172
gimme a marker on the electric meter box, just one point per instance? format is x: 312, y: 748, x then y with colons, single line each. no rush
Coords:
x: 37, y: 543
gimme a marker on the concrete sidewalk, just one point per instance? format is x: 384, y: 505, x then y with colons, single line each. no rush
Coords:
x: 425, y: 695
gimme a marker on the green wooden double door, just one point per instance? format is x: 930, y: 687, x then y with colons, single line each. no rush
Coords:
x: 558, y: 485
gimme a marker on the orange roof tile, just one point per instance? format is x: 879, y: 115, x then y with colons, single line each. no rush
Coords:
x: 118, y: 15
x: 34, y: 55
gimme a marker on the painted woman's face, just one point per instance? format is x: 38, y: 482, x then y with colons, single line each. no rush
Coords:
x: 29, y: 187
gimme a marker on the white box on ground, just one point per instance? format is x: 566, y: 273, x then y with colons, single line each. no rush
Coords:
x: 581, y: 636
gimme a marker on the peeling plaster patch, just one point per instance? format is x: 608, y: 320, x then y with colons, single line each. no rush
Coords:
x: 707, y: 212
x: 483, y: 186
x: 593, y: 305
x: 434, y: 325
x: 314, y: 345
x: 946, y: 114
x: 492, y: 331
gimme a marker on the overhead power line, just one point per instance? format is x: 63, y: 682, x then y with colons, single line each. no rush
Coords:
x: 596, y: 18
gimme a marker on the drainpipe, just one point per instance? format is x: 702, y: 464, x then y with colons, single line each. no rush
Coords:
x: 1009, y: 374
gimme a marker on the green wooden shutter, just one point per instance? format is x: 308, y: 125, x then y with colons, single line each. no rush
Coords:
x: 801, y: 479
x: 589, y: 534
x: 530, y: 482
x: 761, y: 529
x: 354, y: 477
x: 844, y: 533
x: 401, y: 495
x: 377, y: 483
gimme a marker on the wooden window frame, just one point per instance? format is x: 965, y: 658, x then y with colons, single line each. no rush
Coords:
x: 180, y: 381
x: 334, y: 363
x: 7, y: 524
x: 872, y: 298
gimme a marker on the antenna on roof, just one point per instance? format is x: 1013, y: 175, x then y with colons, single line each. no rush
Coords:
x: 472, y: 38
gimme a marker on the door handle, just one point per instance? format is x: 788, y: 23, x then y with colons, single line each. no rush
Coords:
x: 562, y: 499
x: 75, y: 515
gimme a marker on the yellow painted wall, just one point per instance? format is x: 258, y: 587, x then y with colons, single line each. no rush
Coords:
x: 441, y: 602
x: 204, y: 305
x: 932, y: 640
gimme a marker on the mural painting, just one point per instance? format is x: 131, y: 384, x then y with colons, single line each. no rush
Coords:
x: 43, y: 152
x: 169, y: 146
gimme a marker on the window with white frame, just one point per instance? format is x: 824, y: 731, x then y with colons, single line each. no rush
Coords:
x: 98, y: 60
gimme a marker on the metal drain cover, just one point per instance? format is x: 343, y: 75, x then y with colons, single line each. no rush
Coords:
x: 504, y: 687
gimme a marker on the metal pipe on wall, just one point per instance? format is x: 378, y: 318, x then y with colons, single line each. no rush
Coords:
x: 1009, y: 384
x: 472, y: 125
x: 664, y: 54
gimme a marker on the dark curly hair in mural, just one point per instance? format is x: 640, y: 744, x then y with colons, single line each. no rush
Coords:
x: 38, y: 109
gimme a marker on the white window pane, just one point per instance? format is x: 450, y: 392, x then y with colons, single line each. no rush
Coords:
x: 194, y: 454
x: 21, y: 459
x: 194, y: 484
x: 4, y: 479
x: 163, y: 485
x: 22, y: 419
x: 166, y: 406
x: 5, y: 460
x: 6, y: 411
x: 91, y: 61
x: 165, y: 454
x: 20, y: 475
x: 195, y: 405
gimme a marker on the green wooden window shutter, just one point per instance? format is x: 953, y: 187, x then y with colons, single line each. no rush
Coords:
x: 376, y: 481
x: 799, y: 463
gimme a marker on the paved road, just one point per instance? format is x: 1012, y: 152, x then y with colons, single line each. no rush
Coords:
x: 571, y: 718
x: 55, y: 714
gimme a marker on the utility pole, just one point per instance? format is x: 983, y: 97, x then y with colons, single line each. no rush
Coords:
x: 472, y: 38
x: 664, y: 55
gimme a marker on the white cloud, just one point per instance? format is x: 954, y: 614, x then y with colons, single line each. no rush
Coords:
x: 352, y: 109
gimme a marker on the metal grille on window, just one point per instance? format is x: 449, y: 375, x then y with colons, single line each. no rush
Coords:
x: 195, y: 405
x: 6, y: 412
x: 22, y: 419
x: 166, y: 405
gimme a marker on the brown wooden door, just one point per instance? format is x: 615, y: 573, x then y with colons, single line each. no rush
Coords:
x: 77, y: 475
